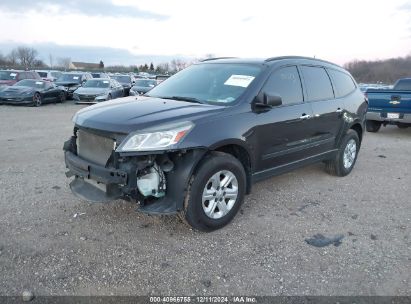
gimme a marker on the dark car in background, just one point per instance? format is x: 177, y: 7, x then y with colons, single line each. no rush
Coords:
x: 10, y: 77
x: 127, y: 81
x: 71, y: 81
x: 32, y: 92
x: 196, y: 143
x: 100, y: 75
x: 97, y: 90
x: 142, y: 86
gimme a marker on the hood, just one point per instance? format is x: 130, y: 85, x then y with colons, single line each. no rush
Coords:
x: 67, y: 83
x: 130, y: 114
x: 91, y: 91
x: 16, y: 90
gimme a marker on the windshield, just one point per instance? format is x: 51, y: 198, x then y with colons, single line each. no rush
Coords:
x: 122, y: 79
x: 96, y: 83
x: 7, y: 75
x: 214, y: 83
x: 145, y: 83
x: 70, y: 77
x: 30, y: 83
x: 42, y: 74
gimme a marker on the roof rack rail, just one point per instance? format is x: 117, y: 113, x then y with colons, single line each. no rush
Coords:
x: 297, y: 57
x: 216, y: 58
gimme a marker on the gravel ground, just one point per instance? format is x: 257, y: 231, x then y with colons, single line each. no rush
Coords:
x: 53, y: 244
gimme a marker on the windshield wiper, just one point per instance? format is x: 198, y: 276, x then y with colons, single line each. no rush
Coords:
x: 183, y: 98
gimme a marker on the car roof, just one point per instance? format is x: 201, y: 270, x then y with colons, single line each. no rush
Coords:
x: 271, y: 60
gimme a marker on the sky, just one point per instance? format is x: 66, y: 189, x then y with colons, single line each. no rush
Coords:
x: 137, y: 31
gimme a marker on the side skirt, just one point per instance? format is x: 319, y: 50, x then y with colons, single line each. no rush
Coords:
x: 261, y: 175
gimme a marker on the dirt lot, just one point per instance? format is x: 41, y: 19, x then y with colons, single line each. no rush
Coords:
x: 53, y: 244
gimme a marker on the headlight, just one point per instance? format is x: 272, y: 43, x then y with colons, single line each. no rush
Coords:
x: 156, y: 139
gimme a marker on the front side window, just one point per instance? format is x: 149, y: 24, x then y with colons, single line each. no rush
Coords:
x: 344, y: 84
x: 317, y: 83
x: 210, y: 83
x: 285, y: 82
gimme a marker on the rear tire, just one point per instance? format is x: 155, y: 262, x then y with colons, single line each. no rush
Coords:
x: 215, y: 193
x: 373, y: 126
x: 344, y: 161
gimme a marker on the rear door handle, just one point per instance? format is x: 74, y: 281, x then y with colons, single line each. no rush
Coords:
x: 305, y: 116
x: 339, y: 110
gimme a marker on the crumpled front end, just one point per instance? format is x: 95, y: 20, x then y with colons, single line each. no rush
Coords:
x: 157, y: 180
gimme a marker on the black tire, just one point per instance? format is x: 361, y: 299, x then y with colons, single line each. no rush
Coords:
x: 373, y: 126
x: 37, y: 101
x: 336, y: 165
x: 62, y: 97
x: 194, y: 213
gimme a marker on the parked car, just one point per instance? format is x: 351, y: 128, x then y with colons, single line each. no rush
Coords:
x: 49, y: 75
x: 32, y: 92
x: 142, y: 86
x: 10, y: 77
x: 389, y: 107
x: 100, y: 75
x: 97, y: 90
x: 71, y: 81
x: 126, y: 81
x: 161, y: 78
x: 196, y: 143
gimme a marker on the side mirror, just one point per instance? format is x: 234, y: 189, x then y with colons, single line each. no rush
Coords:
x: 269, y: 100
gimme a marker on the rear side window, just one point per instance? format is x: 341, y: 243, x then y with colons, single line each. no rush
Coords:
x: 286, y: 83
x: 344, y: 84
x: 403, y: 85
x: 317, y: 83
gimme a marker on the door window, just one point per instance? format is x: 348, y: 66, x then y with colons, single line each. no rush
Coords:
x: 317, y: 83
x: 343, y: 83
x: 285, y: 82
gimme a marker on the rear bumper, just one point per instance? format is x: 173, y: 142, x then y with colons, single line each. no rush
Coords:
x: 382, y: 116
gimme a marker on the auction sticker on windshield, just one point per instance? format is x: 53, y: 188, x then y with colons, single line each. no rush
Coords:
x: 239, y: 80
x: 75, y: 77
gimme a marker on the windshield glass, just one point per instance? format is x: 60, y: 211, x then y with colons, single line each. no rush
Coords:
x: 122, y: 78
x: 7, y: 75
x: 214, y: 83
x: 70, y: 77
x: 145, y: 83
x: 30, y: 83
x: 97, y: 83
x: 42, y: 74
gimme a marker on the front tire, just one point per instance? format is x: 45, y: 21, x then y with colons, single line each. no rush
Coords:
x: 216, y: 192
x: 344, y: 161
x: 373, y: 126
x: 37, y: 102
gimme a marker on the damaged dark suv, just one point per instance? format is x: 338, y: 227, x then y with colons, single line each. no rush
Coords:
x: 196, y: 143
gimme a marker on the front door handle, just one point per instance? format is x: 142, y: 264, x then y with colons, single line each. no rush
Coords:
x: 339, y: 110
x: 305, y: 116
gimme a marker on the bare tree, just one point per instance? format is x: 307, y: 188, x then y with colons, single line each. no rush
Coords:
x: 3, y: 60
x: 27, y: 56
x: 12, y: 58
x: 64, y: 62
x: 178, y: 65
